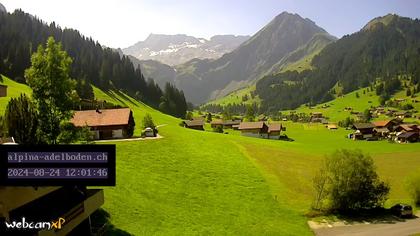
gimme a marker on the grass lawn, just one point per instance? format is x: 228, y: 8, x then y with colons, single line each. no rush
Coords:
x: 224, y: 177
x: 14, y: 90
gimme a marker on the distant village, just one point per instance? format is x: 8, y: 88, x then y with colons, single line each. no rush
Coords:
x: 257, y: 129
x: 393, y: 128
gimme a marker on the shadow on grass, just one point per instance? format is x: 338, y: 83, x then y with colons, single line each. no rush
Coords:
x: 101, y: 224
x: 112, y: 95
x: 119, y: 93
x: 374, y: 216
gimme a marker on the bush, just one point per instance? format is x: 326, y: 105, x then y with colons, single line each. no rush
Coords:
x: 148, y: 122
x: 413, y: 186
x: 68, y: 133
x: 348, y: 182
x: 189, y: 116
x: 218, y: 129
x: 21, y: 120
x: 85, y: 136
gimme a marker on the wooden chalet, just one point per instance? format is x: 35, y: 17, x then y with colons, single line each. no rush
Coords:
x: 260, y: 129
x: 105, y: 124
x: 408, y: 137
x: 363, y: 130
x: 274, y: 131
x: 407, y: 128
x: 226, y: 124
x: 254, y: 129
x: 317, y: 117
x: 196, y: 124
x: 75, y: 204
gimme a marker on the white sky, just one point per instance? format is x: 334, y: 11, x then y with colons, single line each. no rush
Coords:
x: 121, y: 23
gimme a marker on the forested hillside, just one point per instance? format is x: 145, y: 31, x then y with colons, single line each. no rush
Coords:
x: 379, y: 55
x: 21, y: 34
x: 203, y: 80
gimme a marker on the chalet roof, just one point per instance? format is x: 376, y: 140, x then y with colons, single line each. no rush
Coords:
x: 401, y: 113
x: 274, y: 127
x: 363, y: 125
x: 407, y: 134
x: 251, y: 125
x: 332, y: 126
x: 106, y: 117
x: 192, y: 123
x: 408, y: 127
x: 198, y: 118
x: 225, y: 122
x: 231, y: 122
x: 216, y: 122
x: 381, y: 123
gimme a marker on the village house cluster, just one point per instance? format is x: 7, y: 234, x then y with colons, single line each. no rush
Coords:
x: 257, y: 129
x: 394, y: 130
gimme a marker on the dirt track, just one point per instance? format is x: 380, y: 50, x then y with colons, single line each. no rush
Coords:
x: 407, y: 227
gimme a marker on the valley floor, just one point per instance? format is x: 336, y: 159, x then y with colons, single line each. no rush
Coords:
x: 194, y: 182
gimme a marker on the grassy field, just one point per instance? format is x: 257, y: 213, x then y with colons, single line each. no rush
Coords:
x: 14, y: 90
x: 204, y: 183
x: 334, y: 110
x: 236, y: 97
x: 199, y: 170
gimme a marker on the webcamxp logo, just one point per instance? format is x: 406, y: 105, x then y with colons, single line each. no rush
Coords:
x: 26, y: 225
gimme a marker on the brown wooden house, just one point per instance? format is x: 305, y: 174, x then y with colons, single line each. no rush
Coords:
x: 3, y: 90
x: 274, y: 131
x: 408, y: 137
x: 254, y: 129
x: 363, y: 130
x: 407, y: 128
x: 194, y: 124
x: 105, y: 124
x: 226, y: 124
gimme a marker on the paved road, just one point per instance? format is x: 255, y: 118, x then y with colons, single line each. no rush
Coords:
x: 404, y: 228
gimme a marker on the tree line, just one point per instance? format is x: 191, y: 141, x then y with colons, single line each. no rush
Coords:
x: 93, y: 64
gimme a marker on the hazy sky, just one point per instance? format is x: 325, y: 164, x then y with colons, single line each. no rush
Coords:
x: 121, y: 23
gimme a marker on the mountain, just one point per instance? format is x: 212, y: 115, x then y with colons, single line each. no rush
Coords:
x: 381, y: 55
x: 2, y: 8
x: 205, y: 79
x: 159, y: 72
x: 92, y: 63
x: 180, y: 48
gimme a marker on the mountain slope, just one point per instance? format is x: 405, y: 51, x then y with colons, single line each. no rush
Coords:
x: 202, y: 80
x: 159, y: 72
x: 385, y: 50
x: 180, y: 48
x: 2, y: 8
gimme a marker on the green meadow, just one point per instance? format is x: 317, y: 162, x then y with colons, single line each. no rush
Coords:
x: 205, y: 183
x: 14, y: 90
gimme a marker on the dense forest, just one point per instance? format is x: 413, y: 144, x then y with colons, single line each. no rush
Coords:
x: 384, y: 51
x: 93, y: 64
